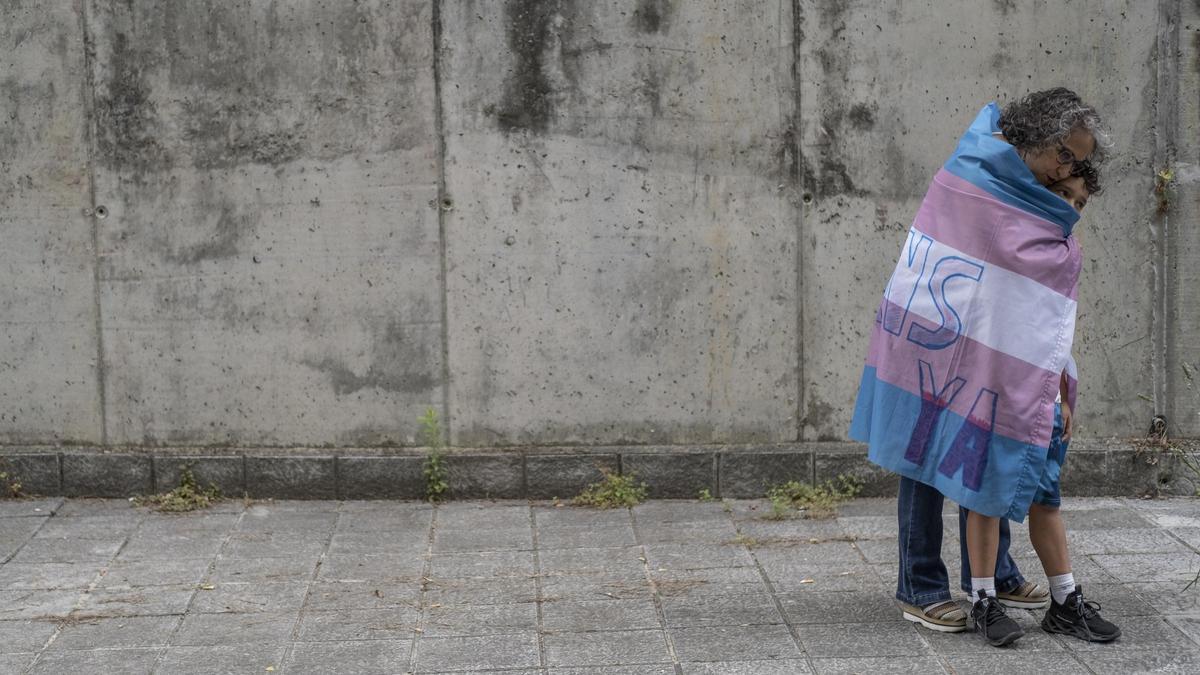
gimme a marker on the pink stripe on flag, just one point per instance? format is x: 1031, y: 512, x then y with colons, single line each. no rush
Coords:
x: 1021, y: 387
x: 1031, y: 247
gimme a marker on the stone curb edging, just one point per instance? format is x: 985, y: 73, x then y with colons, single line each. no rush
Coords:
x: 1094, y: 468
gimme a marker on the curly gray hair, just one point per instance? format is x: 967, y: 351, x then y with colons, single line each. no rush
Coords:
x: 1046, y: 118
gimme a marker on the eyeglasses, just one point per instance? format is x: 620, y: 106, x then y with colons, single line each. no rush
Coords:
x: 1065, y: 156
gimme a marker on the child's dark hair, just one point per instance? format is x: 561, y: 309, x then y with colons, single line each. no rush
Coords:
x: 1090, y: 175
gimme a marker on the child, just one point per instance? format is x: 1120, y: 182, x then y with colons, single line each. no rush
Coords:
x: 1069, y: 613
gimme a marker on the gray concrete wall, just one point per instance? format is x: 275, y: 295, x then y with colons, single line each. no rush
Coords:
x: 557, y: 223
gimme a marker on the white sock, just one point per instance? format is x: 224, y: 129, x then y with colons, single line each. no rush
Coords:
x: 986, y: 584
x: 1061, y: 586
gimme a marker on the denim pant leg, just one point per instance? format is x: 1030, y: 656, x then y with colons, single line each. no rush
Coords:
x: 922, y: 579
x: 1008, y: 577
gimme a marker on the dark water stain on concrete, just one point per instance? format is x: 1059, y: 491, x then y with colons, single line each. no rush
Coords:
x: 400, y: 363
x: 862, y: 117
x: 242, y: 131
x: 653, y: 16
x: 126, y: 118
x: 223, y: 243
x: 1005, y: 7
x: 819, y: 415
x: 528, y: 102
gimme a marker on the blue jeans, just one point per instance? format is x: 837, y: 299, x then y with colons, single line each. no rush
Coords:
x: 922, y: 579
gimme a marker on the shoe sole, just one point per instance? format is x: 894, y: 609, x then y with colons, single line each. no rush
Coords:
x: 1024, y: 604
x: 1086, y: 637
x: 939, y: 627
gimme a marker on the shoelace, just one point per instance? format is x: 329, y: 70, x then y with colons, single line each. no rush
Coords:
x: 1086, y: 608
x: 993, y: 612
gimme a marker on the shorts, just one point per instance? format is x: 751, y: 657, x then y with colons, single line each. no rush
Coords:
x: 1048, y: 492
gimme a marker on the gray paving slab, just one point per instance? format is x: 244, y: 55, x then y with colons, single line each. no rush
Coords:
x: 293, y: 568
x: 24, y: 636
x: 367, y: 657
x: 199, y: 630
x: 246, y: 596
x: 37, y: 604
x: 497, y: 591
x: 642, y: 669
x: 708, y: 581
x: 1122, y: 663
x: 160, y: 600
x: 473, y: 620
x: 584, y: 615
x: 595, y: 586
x: 224, y: 659
x: 778, y: 667
x: 477, y: 653
x: 586, y: 536
x: 331, y: 595
x: 891, y: 665
x: 391, y: 623
x: 606, y: 648
x: 735, y: 643
x: 483, y: 564
x: 17, y: 663
x: 90, y: 527
x: 30, y: 507
x: 139, y: 573
x: 721, y: 610
x: 629, y: 561
x: 45, y: 575
x: 132, y: 661
x: 68, y: 549
x: 894, y: 638
x: 130, y: 631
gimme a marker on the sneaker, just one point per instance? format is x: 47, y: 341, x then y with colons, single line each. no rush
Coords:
x: 1026, y: 596
x: 992, y: 623
x: 946, y: 617
x: 1079, y: 618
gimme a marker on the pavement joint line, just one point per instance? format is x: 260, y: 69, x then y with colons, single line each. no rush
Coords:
x: 58, y: 626
x: 92, y: 586
x: 426, y: 571
x: 291, y: 646
x: 654, y: 594
x: 45, y: 519
x: 775, y: 599
x: 212, y: 565
x: 537, y: 588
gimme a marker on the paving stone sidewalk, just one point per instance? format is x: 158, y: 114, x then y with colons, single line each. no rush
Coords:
x: 98, y: 586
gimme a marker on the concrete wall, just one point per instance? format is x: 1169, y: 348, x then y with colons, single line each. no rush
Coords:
x: 557, y: 223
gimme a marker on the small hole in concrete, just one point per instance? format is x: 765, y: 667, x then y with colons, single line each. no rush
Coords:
x: 808, y: 198
x: 101, y: 212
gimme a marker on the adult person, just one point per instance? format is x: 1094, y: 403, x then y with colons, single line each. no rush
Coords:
x: 988, y: 253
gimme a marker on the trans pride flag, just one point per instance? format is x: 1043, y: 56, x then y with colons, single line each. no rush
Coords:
x: 974, y: 331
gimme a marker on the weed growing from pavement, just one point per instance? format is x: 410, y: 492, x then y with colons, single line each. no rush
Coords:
x: 10, y: 484
x: 612, y: 491
x: 189, y: 496
x: 436, y: 482
x: 796, y: 499
x: 705, y: 495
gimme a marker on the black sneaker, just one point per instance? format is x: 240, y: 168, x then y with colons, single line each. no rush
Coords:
x: 992, y: 623
x: 1079, y: 618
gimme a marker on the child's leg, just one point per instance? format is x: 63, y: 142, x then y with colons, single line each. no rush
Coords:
x: 1049, y: 538
x: 983, y: 538
x: 1008, y: 575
